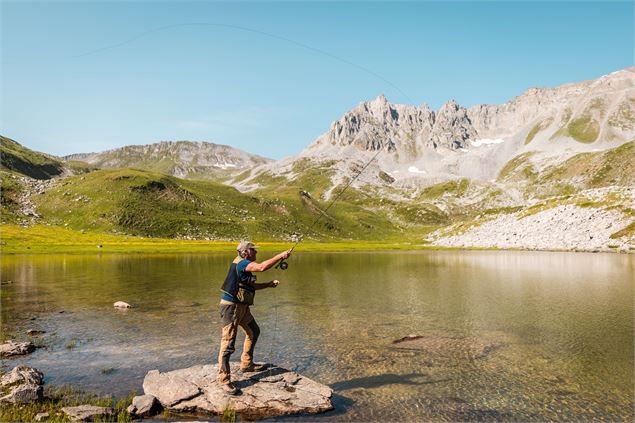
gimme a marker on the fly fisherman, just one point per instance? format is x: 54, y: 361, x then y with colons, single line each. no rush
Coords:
x: 239, y: 290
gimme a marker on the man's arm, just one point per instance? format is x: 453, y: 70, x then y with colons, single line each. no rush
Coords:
x: 271, y: 284
x: 261, y: 267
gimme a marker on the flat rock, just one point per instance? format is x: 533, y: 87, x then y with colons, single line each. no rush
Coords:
x: 11, y: 348
x: 272, y: 392
x: 23, y: 384
x: 87, y: 413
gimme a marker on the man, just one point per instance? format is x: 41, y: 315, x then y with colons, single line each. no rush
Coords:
x: 238, y: 294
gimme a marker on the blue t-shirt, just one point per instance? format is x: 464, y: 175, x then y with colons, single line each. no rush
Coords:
x: 243, y: 274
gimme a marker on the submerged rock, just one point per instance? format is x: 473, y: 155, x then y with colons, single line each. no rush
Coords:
x: 87, y: 413
x: 121, y: 304
x: 12, y: 348
x: 446, y: 345
x: 22, y: 385
x: 271, y: 392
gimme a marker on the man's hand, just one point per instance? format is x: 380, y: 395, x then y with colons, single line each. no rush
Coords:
x: 274, y: 283
x: 285, y: 254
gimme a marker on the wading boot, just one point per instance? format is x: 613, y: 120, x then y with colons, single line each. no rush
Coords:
x: 231, y: 389
x: 253, y: 367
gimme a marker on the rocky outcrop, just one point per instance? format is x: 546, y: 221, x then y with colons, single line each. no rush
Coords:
x: 22, y: 385
x: 272, y: 392
x: 12, y: 348
x: 88, y: 413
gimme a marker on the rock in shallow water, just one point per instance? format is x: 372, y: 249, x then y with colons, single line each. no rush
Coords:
x: 12, y: 348
x: 272, y: 392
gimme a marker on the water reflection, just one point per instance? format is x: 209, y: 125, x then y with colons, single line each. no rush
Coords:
x: 503, y: 335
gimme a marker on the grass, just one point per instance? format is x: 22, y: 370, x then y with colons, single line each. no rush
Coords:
x: 628, y: 231
x: 517, y: 168
x: 41, y: 239
x: 10, y: 191
x: 142, y: 203
x: 56, y: 398
x: 540, y: 126
x: 584, y: 129
x: 28, y: 162
x: 457, y: 187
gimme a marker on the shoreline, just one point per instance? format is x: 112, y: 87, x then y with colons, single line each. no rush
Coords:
x: 47, y: 240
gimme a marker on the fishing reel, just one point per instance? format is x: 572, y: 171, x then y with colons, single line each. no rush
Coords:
x: 282, y: 265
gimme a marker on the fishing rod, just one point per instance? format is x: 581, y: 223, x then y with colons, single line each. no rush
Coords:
x: 282, y: 263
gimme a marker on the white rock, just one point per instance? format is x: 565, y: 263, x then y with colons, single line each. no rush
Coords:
x: 121, y: 304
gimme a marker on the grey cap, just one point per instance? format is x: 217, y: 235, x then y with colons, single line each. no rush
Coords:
x: 245, y: 245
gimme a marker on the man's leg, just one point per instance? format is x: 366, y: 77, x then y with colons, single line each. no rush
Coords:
x: 252, y: 331
x: 228, y: 340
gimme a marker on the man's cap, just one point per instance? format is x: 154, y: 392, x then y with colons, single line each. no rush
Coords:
x: 245, y: 245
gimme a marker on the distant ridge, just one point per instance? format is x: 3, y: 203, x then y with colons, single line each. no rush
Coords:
x: 183, y: 159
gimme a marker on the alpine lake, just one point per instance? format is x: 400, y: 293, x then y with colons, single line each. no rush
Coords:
x: 398, y: 336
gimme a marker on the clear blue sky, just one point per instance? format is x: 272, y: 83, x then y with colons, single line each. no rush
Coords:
x: 270, y: 77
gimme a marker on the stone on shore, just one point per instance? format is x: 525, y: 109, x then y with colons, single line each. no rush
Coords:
x: 11, y: 348
x: 144, y: 405
x: 87, y: 413
x: 272, y: 392
x: 22, y: 385
x: 41, y: 416
x: 121, y: 304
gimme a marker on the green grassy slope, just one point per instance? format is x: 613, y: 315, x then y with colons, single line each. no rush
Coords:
x: 10, y: 191
x: 14, y: 157
x: 615, y: 166
x: 144, y: 203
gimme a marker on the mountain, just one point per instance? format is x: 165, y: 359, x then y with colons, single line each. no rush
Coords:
x: 553, y: 168
x: 420, y: 146
x: 183, y: 159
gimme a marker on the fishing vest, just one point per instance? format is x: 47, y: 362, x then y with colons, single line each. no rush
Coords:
x: 242, y: 290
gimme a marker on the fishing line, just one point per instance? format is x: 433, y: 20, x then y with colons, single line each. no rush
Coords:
x: 254, y: 31
x: 330, y: 205
x: 285, y: 266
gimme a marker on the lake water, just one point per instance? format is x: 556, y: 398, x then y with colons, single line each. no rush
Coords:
x: 525, y: 336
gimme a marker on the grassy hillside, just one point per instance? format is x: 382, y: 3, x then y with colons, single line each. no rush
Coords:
x: 19, y: 159
x: 582, y: 171
x: 10, y: 191
x: 144, y: 203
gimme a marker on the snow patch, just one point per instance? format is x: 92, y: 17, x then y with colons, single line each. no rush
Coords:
x: 224, y: 165
x: 484, y: 141
x: 415, y: 169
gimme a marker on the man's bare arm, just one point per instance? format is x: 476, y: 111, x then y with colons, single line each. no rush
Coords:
x: 261, y: 267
